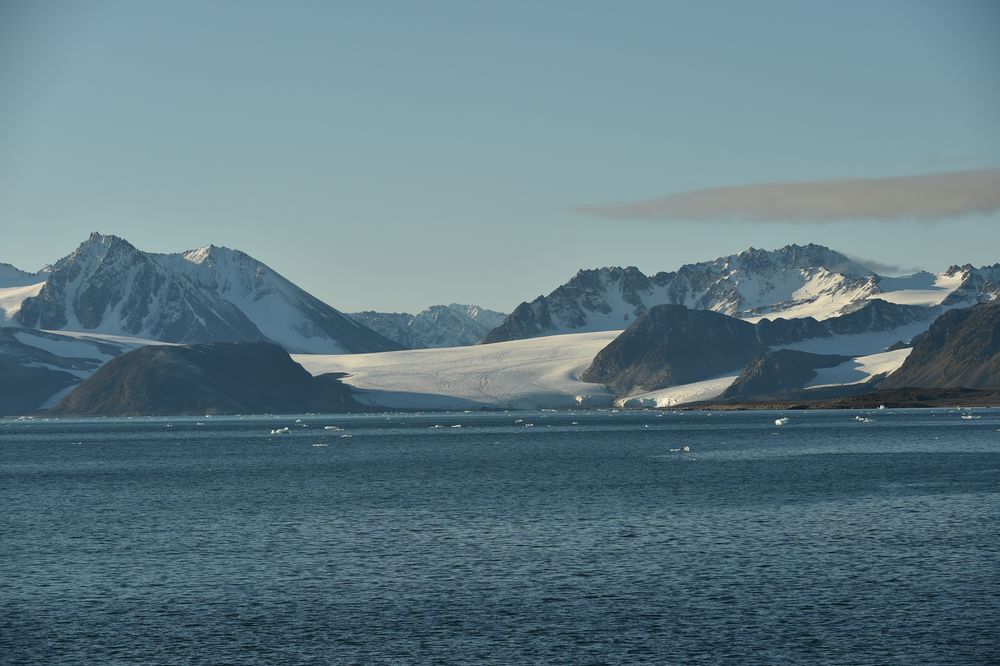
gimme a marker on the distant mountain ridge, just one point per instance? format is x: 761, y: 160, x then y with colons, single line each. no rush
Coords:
x: 795, y: 281
x: 453, y: 325
x: 11, y: 276
x: 211, y: 294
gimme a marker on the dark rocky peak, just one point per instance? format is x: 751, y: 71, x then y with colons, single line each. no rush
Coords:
x: 960, y: 349
x: 781, y: 331
x: 955, y: 268
x: 671, y: 344
x: 878, y: 315
x: 775, y: 373
x: 240, y: 377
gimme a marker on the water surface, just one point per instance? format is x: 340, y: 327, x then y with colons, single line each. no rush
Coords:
x: 534, y: 537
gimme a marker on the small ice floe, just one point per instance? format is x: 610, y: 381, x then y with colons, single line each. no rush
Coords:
x: 782, y: 421
x: 574, y: 423
x: 280, y: 431
x: 298, y: 420
x: 436, y: 426
x: 320, y: 444
x: 529, y: 425
x: 683, y: 449
x: 346, y: 434
x: 331, y: 428
x: 457, y: 425
x: 519, y: 421
x: 881, y: 406
x: 969, y: 417
x: 199, y: 423
x: 864, y: 419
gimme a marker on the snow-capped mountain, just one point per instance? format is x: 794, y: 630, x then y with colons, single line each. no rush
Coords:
x: 452, y: 325
x: 793, y: 282
x: 210, y: 294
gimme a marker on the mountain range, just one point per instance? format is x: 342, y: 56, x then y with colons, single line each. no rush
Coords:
x: 792, y: 282
x: 779, y: 321
x: 452, y: 325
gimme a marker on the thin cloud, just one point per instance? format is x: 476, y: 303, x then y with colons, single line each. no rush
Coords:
x: 928, y: 197
x: 883, y: 268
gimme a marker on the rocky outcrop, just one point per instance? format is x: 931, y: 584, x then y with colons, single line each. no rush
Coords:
x: 776, y: 373
x: 960, y: 349
x: 671, y: 344
x: 214, y: 378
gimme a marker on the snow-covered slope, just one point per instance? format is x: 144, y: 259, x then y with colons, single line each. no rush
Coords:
x: 679, y: 395
x: 528, y: 374
x: 41, y: 367
x: 452, y: 325
x: 860, y: 369
x: 15, y: 286
x: 792, y: 282
x: 11, y: 299
x: 210, y: 294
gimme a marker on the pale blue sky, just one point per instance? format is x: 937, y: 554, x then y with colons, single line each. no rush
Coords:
x: 391, y: 155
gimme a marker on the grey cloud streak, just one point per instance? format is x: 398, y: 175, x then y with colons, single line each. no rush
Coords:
x: 927, y: 197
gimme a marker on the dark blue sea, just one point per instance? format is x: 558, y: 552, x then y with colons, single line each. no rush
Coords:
x: 517, y: 538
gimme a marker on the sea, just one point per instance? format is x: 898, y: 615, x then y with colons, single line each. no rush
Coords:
x: 586, y: 537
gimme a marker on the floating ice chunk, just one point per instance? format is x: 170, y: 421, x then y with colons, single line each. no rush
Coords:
x: 782, y: 421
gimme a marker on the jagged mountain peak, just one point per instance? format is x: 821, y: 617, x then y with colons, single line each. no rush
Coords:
x: 98, y: 245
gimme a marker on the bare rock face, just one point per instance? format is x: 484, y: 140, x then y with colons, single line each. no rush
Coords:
x: 213, y: 378
x: 961, y: 349
x: 776, y: 373
x: 670, y: 345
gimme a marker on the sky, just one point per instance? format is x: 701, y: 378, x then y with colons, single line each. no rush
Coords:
x: 394, y: 155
